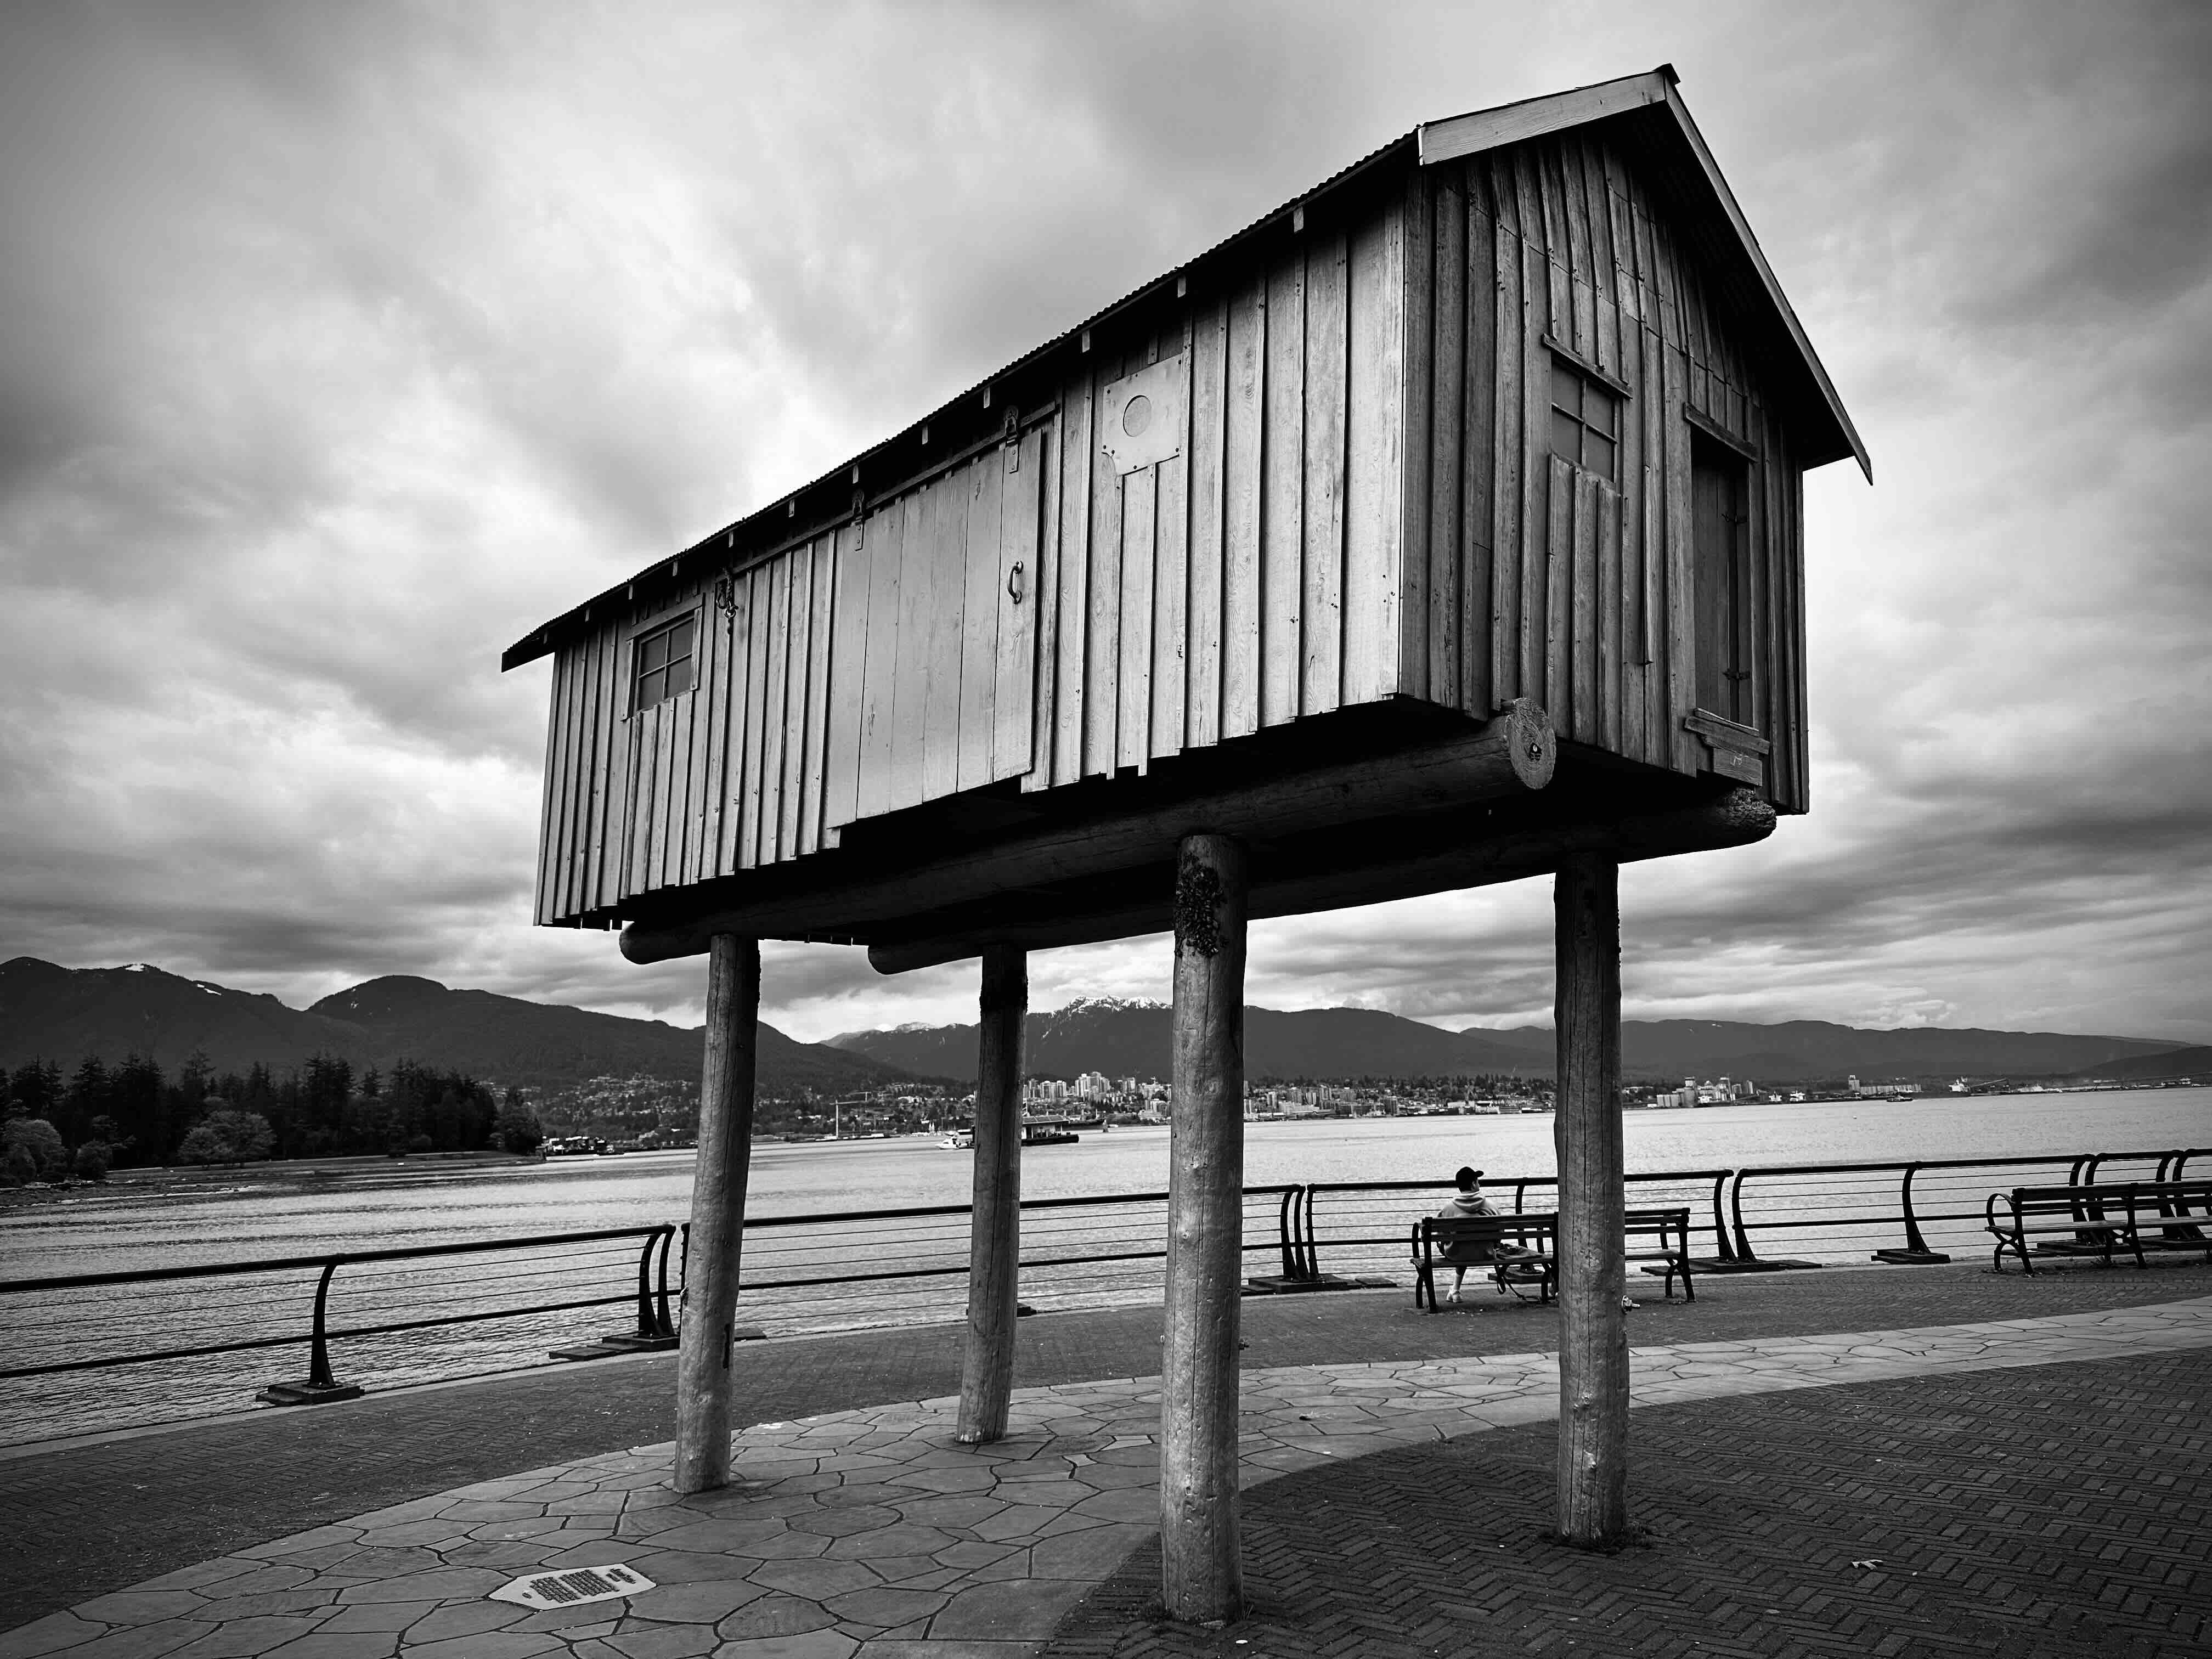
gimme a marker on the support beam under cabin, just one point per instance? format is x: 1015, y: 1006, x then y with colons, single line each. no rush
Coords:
x: 1592, y: 1456
x: 986, y: 1363
x: 1415, y: 859
x: 1201, y: 1574
x: 703, y: 1379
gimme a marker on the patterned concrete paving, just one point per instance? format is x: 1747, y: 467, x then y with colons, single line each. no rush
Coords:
x: 871, y: 1534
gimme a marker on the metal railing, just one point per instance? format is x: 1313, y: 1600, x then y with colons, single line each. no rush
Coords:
x: 193, y: 1340
x: 1358, y: 1229
x: 197, y: 1338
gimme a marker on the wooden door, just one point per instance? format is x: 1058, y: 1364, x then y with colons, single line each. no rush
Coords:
x: 934, y: 690
x: 1720, y: 497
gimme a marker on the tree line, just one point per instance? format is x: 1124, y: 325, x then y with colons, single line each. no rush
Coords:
x: 99, y: 1116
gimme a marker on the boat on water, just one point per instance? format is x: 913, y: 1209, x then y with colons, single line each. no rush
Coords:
x: 1033, y: 1134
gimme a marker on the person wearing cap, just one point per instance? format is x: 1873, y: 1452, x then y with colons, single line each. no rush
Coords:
x: 1464, y: 1206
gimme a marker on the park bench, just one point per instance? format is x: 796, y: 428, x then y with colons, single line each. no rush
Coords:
x: 2097, y: 1220
x: 1659, y: 1236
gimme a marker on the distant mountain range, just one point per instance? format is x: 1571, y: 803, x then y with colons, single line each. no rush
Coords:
x: 63, y: 1014
x: 1125, y: 1039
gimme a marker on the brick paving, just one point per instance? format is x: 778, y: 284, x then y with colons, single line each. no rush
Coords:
x: 194, y: 1494
x: 2059, y: 1510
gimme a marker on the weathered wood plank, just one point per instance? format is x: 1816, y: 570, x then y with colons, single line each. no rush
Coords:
x: 953, y: 497
x: 1607, y: 578
x: 1171, y: 605
x: 1282, y: 533
x: 1509, y: 449
x: 1321, y: 556
x: 775, y: 709
x: 736, y: 631
x: 643, y: 731
x: 1243, y: 478
x: 1536, y: 618
x: 565, y: 876
x: 1020, y: 601
x: 713, y: 697
x: 1556, y: 559
x: 669, y: 808
x: 851, y: 649
x: 821, y: 665
x: 1445, y: 550
x: 1132, y: 681
x: 1207, y: 517
x: 1078, y: 475
x: 1482, y: 474
x: 541, y: 904
x: 1376, y: 496
x: 919, y: 539
x: 1549, y: 292
x: 1426, y: 203
x: 757, y: 628
x: 792, y: 774
x: 983, y: 576
x: 1102, y: 644
x: 1041, y: 721
x: 1681, y: 587
x: 886, y: 563
x: 607, y: 815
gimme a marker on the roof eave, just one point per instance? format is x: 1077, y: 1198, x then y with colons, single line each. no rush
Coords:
x: 1512, y: 124
x: 541, y: 639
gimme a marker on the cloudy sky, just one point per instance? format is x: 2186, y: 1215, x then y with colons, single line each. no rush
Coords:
x: 340, y: 345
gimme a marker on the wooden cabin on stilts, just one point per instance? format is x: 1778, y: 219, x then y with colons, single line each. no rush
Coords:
x: 1443, y: 528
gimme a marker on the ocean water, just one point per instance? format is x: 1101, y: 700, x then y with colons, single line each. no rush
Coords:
x: 142, y: 1222
x: 802, y: 1276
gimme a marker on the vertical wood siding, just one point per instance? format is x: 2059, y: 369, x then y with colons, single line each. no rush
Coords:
x: 805, y: 708
x: 1362, y: 504
x: 1526, y: 576
x: 1254, y: 578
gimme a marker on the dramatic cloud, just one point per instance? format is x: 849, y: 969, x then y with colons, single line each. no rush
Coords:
x: 343, y: 344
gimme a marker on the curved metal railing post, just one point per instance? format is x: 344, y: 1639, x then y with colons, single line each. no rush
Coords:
x: 1913, y: 1240
x: 1723, y: 1246
x: 1283, y: 1230
x: 645, y: 1325
x: 1310, y: 1234
x: 318, y: 1353
x: 662, y: 1327
x: 1743, y: 1251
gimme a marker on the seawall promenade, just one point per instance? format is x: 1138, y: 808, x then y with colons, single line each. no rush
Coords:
x: 2021, y: 1460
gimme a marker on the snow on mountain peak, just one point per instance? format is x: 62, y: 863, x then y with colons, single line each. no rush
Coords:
x: 1110, y: 1005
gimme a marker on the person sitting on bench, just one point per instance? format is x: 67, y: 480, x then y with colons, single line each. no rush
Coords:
x: 1467, y: 1204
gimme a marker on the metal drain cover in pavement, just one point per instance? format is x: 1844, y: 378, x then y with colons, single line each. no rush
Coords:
x: 544, y: 1591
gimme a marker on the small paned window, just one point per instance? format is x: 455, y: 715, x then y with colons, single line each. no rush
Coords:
x: 661, y: 662
x: 1585, y: 423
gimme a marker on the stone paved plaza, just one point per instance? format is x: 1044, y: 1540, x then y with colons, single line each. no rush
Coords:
x: 867, y: 1531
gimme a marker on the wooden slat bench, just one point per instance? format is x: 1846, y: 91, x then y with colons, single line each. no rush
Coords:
x: 1655, y: 1235
x: 2134, y: 1216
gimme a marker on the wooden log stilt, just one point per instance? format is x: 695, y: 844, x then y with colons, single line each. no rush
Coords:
x: 703, y: 1379
x: 987, y: 1363
x: 1201, y: 1575
x: 1593, y: 1466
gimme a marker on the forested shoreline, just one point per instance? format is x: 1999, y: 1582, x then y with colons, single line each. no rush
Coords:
x: 54, y: 1125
